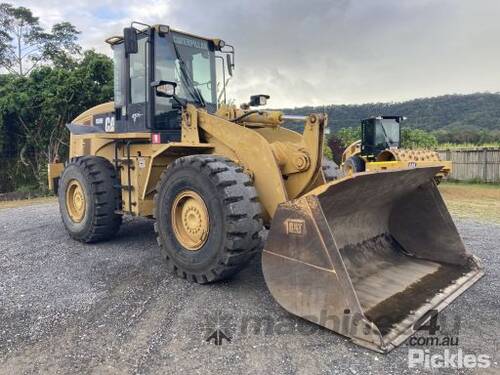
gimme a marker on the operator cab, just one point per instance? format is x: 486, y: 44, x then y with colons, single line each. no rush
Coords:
x: 147, y: 57
x: 380, y: 133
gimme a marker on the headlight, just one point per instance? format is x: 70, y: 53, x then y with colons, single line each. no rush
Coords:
x: 219, y: 44
x: 258, y: 100
x: 163, y: 29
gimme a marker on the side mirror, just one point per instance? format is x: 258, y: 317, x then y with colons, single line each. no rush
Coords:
x: 258, y: 100
x: 130, y: 40
x: 229, y: 64
x: 165, y: 89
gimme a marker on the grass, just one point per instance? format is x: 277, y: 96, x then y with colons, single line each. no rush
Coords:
x: 473, y: 200
x: 26, y: 202
x: 471, y: 146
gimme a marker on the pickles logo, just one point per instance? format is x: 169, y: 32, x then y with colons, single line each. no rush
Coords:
x: 295, y: 226
x: 448, y: 359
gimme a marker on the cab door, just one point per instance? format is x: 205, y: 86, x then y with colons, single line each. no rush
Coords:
x: 137, y: 111
x: 166, y: 112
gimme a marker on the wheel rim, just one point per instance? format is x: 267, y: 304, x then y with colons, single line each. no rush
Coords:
x: 75, y: 201
x: 349, y: 170
x: 190, y: 220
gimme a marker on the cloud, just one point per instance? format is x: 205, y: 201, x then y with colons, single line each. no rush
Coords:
x: 321, y: 51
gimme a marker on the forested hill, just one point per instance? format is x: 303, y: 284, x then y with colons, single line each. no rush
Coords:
x: 448, y: 112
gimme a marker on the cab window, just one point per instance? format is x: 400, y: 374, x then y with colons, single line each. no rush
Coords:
x: 138, y: 74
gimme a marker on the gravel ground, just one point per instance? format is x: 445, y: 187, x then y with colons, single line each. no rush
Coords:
x: 66, y: 307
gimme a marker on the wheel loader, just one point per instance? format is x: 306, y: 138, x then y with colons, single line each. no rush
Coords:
x: 367, y: 255
x: 379, y: 149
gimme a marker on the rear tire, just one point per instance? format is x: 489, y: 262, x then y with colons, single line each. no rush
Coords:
x: 354, y: 164
x: 89, y: 196
x: 229, y: 201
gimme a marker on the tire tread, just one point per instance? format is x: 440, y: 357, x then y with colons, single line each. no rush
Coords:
x: 101, y: 175
x: 242, y: 211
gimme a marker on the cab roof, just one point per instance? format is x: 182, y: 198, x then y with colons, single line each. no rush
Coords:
x: 117, y: 39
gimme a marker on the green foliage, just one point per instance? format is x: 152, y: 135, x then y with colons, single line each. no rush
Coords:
x: 336, y: 147
x: 467, y: 136
x: 417, y: 138
x: 35, y: 109
x: 349, y: 135
x: 28, y: 189
x: 60, y: 44
x: 471, y: 146
x: 327, y: 151
x: 476, y: 182
x: 24, y: 44
x: 473, y: 118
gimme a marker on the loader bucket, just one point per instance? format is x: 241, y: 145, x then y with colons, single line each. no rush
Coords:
x: 371, y: 256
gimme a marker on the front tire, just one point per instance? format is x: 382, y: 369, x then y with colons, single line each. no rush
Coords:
x: 88, y: 199
x: 354, y: 164
x: 208, y: 218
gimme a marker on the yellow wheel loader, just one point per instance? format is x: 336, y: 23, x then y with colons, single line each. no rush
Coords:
x: 367, y: 255
x: 379, y: 149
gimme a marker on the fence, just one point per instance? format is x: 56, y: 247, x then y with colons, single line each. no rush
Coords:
x: 481, y: 164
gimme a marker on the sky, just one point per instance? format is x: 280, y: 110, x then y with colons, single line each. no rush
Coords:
x: 319, y: 52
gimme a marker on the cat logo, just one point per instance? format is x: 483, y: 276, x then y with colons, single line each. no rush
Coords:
x: 412, y: 164
x: 295, y: 226
x: 109, y: 124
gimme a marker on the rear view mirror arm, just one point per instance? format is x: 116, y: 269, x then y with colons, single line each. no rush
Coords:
x: 223, y: 91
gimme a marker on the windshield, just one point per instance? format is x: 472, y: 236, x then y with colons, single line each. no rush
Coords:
x: 190, y: 63
x: 387, y: 133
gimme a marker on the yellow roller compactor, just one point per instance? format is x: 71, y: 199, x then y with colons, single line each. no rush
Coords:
x: 366, y: 255
x: 379, y: 149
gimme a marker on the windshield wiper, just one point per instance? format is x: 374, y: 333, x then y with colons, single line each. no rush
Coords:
x: 188, y: 82
x: 387, y: 139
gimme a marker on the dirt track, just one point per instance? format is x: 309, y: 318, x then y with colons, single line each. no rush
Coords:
x: 113, y: 308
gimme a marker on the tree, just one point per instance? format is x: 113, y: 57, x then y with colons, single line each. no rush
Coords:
x: 327, y: 151
x: 36, y: 108
x: 336, y: 146
x: 417, y: 138
x: 472, y: 118
x: 349, y: 135
x: 24, y: 44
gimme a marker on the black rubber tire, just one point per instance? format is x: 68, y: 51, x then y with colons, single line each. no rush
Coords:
x: 356, y: 163
x: 330, y: 169
x: 235, y: 217
x: 97, y: 176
